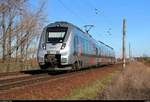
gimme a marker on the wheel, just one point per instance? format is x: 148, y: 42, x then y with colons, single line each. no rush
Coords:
x: 79, y: 65
x: 76, y: 66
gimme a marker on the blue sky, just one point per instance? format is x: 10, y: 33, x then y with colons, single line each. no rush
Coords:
x: 107, y: 17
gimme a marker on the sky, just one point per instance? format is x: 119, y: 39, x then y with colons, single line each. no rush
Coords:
x: 107, y: 16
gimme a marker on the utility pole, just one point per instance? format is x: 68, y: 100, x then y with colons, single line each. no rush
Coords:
x: 123, y: 44
x: 129, y: 52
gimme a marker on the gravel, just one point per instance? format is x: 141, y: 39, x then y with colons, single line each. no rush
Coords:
x: 58, y: 88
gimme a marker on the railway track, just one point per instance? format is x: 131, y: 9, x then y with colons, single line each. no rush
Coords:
x: 7, y: 84
x: 21, y: 81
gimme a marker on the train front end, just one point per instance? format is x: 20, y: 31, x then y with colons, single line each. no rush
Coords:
x: 53, y: 50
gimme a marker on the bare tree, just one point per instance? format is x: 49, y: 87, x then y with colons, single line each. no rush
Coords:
x: 4, y: 34
x: 9, y: 9
x: 19, y: 26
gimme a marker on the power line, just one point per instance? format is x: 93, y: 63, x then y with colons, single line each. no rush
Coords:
x: 98, y: 12
x: 89, y: 4
x: 70, y: 11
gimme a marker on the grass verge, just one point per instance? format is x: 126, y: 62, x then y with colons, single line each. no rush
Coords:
x: 132, y: 84
x: 90, y: 91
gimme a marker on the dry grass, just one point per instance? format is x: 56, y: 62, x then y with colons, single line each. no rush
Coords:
x: 18, y: 66
x: 147, y: 63
x: 132, y: 84
x: 89, y: 92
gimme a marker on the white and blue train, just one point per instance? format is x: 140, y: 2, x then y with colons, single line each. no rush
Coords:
x: 65, y: 46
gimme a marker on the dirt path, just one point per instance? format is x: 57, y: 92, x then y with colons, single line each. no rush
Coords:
x: 57, y: 89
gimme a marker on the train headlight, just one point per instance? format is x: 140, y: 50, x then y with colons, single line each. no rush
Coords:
x: 63, y: 60
x: 63, y: 45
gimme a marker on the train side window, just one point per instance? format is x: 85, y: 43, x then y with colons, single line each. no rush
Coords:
x: 86, y: 46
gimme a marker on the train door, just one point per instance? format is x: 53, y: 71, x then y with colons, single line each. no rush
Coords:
x: 76, y: 63
x: 76, y: 45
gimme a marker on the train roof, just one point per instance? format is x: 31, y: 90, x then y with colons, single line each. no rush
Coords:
x: 66, y: 24
x: 59, y: 23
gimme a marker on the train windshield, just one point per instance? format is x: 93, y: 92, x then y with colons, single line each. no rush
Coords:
x: 56, y: 34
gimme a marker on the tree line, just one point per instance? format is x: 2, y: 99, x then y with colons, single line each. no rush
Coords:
x: 20, y: 28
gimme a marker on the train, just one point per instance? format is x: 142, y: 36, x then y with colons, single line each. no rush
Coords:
x: 64, y: 46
